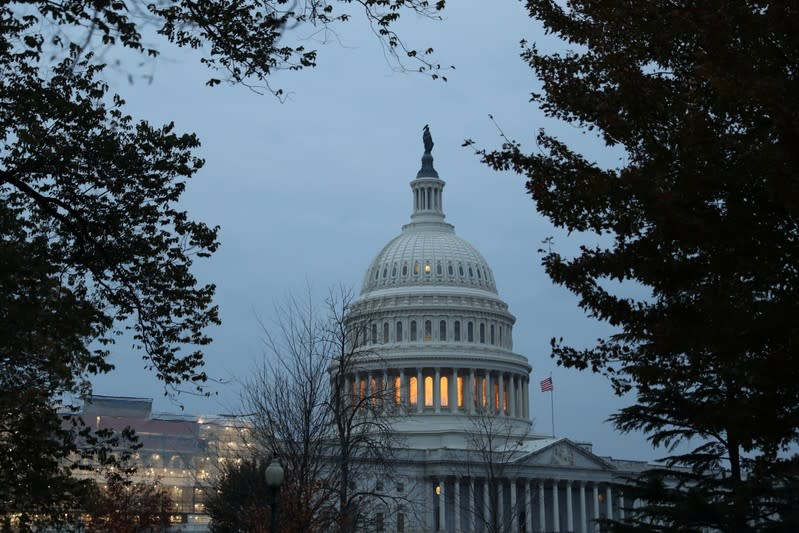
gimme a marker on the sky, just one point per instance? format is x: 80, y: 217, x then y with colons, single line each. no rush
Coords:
x: 307, y: 191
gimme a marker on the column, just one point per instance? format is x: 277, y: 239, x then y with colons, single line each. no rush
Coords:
x: 471, y: 387
x: 583, y: 520
x: 569, y: 518
x: 542, y: 522
x: 453, y: 391
x: 432, y: 517
x: 500, y: 503
x: 437, y: 390
x: 596, y: 507
x: 555, y: 507
x: 514, y: 516
x: 442, y: 504
x: 471, y: 506
x: 526, y: 397
x: 608, y: 502
x: 403, y: 388
x: 528, y: 508
x: 621, y: 506
x: 419, y: 390
x: 486, y: 502
x: 456, y: 523
x: 490, y: 391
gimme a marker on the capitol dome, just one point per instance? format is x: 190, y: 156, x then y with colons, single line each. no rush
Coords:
x: 436, y: 337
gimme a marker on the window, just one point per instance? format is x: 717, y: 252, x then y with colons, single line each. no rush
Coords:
x: 416, y: 268
x: 470, y: 332
x: 427, y: 268
x: 482, y: 333
x: 385, y: 272
x: 471, y: 273
x: 400, y: 523
x: 413, y: 390
x: 460, y: 269
x: 405, y: 270
x: 377, y: 274
x: 398, y: 333
x: 492, y: 334
x: 379, y: 526
x: 478, y: 274
x: 439, y: 269
x: 397, y: 390
x: 505, y: 395
x: 484, y: 387
x: 413, y: 331
x: 428, y: 330
x: 443, y: 391
x: 374, y: 333
x: 374, y: 393
x: 500, y: 335
x: 362, y: 391
x: 442, y: 330
x: 385, y: 332
x: 428, y: 391
x: 394, y: 271
x: 450, y: 270
x: 459, y: 390
x: 457, y: 331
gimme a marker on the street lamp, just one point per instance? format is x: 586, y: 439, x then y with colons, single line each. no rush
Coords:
x: 274, y: 477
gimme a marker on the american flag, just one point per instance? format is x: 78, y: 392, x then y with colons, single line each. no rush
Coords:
x: 546, y: 385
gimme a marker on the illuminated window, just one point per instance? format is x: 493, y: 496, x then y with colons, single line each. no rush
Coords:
x: 428, y: 391
x: 482, y: 333
x: 427, y: 268
x: 362, y: 391
x: 492, y: 334
x: 484, y: 391
x: 459, y: 390
x: 442, y: 330
x: 470, y: 332
x: 416, y: 268
x: 444, y: 391
x: 413, y: 330
x: 398, y: 333
x: 505, y: 396
x: 374, y: 393
x: 428, y: 330
x: 457, y: 332
x: 397, y: 390
x: 385, y: 332
x: 413, y: 390
x: 496, y: 395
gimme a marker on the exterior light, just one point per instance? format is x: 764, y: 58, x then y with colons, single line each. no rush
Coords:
x: 274, y: 474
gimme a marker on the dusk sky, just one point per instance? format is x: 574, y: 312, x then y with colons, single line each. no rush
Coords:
x: 308, y: 191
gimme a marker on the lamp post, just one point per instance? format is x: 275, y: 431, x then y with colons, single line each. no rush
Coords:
x: 274, y: 477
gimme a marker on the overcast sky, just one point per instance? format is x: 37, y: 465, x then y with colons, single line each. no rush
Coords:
x: 308, y: 191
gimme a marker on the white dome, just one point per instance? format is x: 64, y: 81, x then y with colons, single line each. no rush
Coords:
x: 426, y: 254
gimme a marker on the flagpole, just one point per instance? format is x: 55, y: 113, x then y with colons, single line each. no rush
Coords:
x: 552, y: 404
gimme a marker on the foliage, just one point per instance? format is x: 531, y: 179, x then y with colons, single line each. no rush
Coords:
x: 702, y: 97
x: 92, y: 243
x: 239, y: 499
x: 124, y: 506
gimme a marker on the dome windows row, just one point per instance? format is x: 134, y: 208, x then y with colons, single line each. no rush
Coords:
x: 468, y: 271
x: 496, y: 334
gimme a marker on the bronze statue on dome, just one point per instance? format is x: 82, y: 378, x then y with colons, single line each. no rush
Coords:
x: 427, y: 139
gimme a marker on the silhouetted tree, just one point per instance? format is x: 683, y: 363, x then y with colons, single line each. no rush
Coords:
x: 121, y: 505
x: 701, y: 216
x: 92, y: 243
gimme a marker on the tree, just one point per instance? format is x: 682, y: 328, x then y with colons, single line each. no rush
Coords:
x: 124, y: 506
x: 335, y: 444
x: 239, y: 499
x: 92, y: 243
x: 701, y: 216
x: 495, y: 446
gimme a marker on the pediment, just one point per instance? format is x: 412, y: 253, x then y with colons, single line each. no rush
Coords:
x: 563, y: 453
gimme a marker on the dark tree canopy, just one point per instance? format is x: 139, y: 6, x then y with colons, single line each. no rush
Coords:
x: 93, y: 244
x: 703, y: 98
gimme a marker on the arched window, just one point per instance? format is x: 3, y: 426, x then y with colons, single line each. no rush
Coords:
x: 457, y: 332
x: 439, y: 269
x: 428, y: 391
x: 450, y: 270
x: 413, y: 390
x: 394, y: 270
x: 443, y: 391
x: 470, y: 332
x: 385, y: 332
x: 428, y: 330
x: 416, y: 268
x: 385, y: 272
x: 397, y: 390
x: 427, y: 267
x: 478, y: 274
x: 374, y: 333
x: 398, y: 332
x: 377, y: 274
x: 460, y: 269
x: 491, y: 334
x: 405, y: 269
x: 442, y: 330
x: 471, y: 273
x: 482, y: 333
x: 413, y: 331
